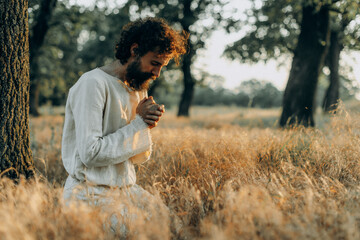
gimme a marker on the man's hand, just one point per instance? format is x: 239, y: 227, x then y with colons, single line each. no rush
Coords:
x: 150, y: 111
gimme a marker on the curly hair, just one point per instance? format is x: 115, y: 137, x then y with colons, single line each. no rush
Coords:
x: 151, y: 34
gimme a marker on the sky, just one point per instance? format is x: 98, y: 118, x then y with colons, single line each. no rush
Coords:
x: 233, y: 72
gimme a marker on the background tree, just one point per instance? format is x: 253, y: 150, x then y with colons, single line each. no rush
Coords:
x: 276, y: 32
x: 40, y: 26
x: 348, y: 89
x: 59, y: 59
x: 309, y: 54
x: 53, y: 67
x: 101, y: 33
x: 15, y: 153
x: 261, y: 93
x: 342, y: 36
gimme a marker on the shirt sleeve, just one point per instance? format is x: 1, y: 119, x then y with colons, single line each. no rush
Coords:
x: 95, y: 150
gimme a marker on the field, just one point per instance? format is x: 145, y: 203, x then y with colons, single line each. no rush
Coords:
x: 227, y: 173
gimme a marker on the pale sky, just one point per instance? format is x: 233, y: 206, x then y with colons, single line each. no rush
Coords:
x: 212, y: 61
x: 235, y: 72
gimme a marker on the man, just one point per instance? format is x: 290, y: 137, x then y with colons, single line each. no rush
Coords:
x: 108, y: 115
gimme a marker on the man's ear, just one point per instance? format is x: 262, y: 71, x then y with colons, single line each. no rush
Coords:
x: 133, y: 49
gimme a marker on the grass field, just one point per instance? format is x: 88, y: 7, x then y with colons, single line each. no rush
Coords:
x: 227, y: 173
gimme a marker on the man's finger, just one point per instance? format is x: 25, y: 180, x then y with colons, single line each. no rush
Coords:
x: 152, y: 117
x: 156, y: 113
x: 151, y: 99
x: 143, y: 100
x: 152, y: 126
x: 149, y: 122
x: 149, y: 104
x: 162, y: 108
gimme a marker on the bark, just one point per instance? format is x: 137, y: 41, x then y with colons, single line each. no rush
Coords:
x: 15, y: 153
x: 332, y: 94
x: 299, y: 96
x: 189, y: 81
x: 37, y: 38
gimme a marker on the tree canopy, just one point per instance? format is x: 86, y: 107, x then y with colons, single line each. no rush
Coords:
x: 275, y: 27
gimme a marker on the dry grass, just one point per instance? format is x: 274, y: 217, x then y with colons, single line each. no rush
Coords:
x: 223, y: 179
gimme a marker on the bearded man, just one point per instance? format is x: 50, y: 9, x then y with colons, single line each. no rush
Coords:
x: 108, y: 114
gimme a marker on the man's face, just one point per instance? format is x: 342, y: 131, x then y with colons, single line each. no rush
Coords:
x: 142, y: 70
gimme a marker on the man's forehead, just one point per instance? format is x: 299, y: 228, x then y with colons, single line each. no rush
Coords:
x: 161, y: 58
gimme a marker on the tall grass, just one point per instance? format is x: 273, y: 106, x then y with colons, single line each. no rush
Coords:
x: 222, y: 179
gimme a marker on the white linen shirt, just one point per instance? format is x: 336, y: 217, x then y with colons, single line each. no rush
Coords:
x: 103, y: 137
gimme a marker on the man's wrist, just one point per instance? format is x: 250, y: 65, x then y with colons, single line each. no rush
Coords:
x: 140, y: 121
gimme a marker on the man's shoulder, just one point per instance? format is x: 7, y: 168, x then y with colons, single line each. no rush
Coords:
x: 93, y: 77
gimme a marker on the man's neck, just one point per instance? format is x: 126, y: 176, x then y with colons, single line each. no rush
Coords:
x: 115, y: 69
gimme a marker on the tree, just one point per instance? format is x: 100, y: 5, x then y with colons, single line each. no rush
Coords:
x: 15, y: 153
x: 260, y: 93
x: 309, y: 54
x: 103, y: 29
x: 277, y: 30
x: 39, y: 30
x: 187, y: 14
x: 332, y: 61
x: 58, y: 59
x: 340, y: 38
x: 348, y: 89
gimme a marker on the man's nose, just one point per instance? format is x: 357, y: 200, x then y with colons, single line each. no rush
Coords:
x: 156, y: 72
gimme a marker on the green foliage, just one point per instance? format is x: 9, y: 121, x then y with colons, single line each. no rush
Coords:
x: 275, y: 26
x: 101, y: 35
x: 273, y: 33
x: 56, y: 69
x: 78, y: 39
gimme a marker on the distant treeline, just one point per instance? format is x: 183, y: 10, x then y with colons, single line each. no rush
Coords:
x: 251, y: 93
x: 262, y: 95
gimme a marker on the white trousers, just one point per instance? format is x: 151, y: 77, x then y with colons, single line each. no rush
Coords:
x: 129, y: 209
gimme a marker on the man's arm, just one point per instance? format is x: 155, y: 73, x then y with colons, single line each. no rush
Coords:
x: 96, y: 150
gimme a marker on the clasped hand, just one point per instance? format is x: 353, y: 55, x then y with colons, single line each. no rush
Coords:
x: 150, y: 111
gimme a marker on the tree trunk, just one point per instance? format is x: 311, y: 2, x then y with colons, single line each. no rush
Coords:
x: 189, y: 82
x: 332, y: 93
x: 188, y: 92
x: 15, y: 153
x: 299, y: 96
x: 37, y: 38
x: 34, y: 97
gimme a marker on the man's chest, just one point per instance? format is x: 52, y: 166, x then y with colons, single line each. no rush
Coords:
x: 120, y: 109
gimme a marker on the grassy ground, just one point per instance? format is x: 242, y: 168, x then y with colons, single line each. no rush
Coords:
x: 227, y: 173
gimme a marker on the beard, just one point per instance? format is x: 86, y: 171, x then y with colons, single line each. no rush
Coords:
x: 136, y: 78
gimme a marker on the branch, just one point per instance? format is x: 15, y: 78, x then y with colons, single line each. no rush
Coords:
x: 332, y: 9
